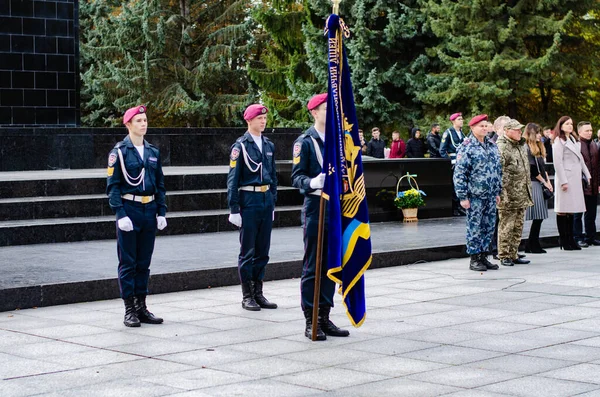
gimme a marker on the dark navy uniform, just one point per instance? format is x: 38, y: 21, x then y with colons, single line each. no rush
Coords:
x: 252, y: 192
x: 478, y: 178
x: 306, y: 165
x: 142, y: 199
x: 451, y: 140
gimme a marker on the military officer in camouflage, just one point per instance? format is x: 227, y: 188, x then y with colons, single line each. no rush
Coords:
x: 516, y: 193
x: 478, y: 182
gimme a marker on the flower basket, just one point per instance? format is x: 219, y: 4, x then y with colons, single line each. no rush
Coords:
x: 409, y: 200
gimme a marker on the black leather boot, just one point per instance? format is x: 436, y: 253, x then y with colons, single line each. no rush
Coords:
x: 570, y: 236
x: 489, y: 265
x: 561, y: 224
x: 131, y: 319
x: 260, y: 298
x: 248, y: 301
x: 476, y: 265
x: 143, y: 314
x: 308, y: 330
x: 328, y: 327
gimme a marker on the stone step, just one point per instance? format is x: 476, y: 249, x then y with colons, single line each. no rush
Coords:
x: 93, y: 181
x: 43, y: 231
x: 91, y: 205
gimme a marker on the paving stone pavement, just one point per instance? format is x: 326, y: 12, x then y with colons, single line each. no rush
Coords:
x: 432, y: 329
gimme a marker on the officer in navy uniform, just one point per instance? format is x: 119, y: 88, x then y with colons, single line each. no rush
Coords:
x: 308, y: 177
x: 136, y: 193
x: 451, y: 140
x: 251, y: 196
x: 478, y: 182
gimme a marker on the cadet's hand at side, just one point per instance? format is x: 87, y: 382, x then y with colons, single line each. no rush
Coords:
x: 497, y: 200
x: 161, y: 222
x: 125, y: 224
x: 466, y: 204
x: 236, y: 219
x: 317, y: 182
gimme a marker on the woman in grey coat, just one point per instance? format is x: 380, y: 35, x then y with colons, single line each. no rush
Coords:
x: 569, y: 170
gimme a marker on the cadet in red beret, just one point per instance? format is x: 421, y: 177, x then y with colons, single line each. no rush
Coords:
x: 251, y: 197
x: 477, y: 182
x: 451, y: 140
x: 136, y: 192
x: 307, y: 168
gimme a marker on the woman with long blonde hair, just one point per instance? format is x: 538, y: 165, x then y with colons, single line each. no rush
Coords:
x: 536, y: 152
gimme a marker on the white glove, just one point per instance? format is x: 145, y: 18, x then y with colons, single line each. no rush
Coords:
x: 236, y: 219
x: 317, y: 182
x: 161, y: 222
x: 125, y: 224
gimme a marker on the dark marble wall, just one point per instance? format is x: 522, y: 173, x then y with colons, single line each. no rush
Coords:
x: 76, y: 148
x: 39, y: 68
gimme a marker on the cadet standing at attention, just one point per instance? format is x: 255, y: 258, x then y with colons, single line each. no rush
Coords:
x: 451, y: 140
x: 308, y: 177
x: 251, y: 196
x: 478, y: 182
x: 136, y: 193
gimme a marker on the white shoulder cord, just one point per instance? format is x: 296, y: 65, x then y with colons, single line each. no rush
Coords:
x: 249, y: 160
x: 317, y: 151
x: 132, y: 181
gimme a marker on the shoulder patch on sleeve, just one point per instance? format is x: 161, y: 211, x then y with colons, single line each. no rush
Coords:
x: 232, y: 163
x: 112, y: 159
x: 110, y: 171
x: 235, y: 153
x: 297, y: 149
x: 296, y: 160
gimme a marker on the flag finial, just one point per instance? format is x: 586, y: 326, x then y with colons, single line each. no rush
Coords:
x: 336, y: 6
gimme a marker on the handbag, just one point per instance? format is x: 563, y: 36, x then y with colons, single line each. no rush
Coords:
x: 545, y: 191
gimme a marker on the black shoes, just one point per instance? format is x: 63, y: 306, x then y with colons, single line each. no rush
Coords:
x: 328, y: 327
x: 520, y: 261
x: 308, y: 330
x: 582, y: 244
x: 484, y: 260
x: 248, y: 301
x: 131, y: 319
x: 476, y: 265
x: 507, y: 262
x: 143, y: 314
x: 593, y: 242
x: 260, y: 299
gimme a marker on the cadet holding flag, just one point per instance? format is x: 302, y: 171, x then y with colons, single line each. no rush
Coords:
x: 136, y: 193
x: 478, y: 182
x: 251, y: 196
x: 307, y: 176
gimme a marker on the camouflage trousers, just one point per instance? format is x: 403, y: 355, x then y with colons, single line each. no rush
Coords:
x: 510, y: 229
x: 481, y: 221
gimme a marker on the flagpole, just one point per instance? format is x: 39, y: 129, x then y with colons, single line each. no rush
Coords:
x: 319, y: 261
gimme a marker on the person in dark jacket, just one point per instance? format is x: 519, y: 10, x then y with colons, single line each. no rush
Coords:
x: 376, y: 145
x: 433, y: 142
x: 591, y: 156
x: 547, y: 141
x: 415, y: 147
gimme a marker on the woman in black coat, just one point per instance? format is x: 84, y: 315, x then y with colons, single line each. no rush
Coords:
x: 415, y: 147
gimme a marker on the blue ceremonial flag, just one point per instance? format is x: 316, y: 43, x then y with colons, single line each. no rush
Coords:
x: 349, y: 233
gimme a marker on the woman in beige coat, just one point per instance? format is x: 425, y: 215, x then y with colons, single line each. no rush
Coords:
x: 569, y: 169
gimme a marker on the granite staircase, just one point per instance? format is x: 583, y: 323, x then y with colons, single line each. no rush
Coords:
x: 38, y: 207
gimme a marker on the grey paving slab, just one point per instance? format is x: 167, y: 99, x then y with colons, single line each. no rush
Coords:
x: 480, y: 338
x: 536, y: 386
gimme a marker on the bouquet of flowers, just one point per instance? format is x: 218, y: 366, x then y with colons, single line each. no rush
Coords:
x: 411, y: 198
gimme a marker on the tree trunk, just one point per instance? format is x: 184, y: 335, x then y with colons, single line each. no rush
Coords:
x: 545, y: 99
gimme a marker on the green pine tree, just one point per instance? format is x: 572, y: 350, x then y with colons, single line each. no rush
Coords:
x: 501, y: 57
x: 186, y: 60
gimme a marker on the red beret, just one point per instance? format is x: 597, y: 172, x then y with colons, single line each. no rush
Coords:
x: 254, y: 110
x: 316, y: 101
x: 477, y: 119
x: 455, y: 116
x: 132, y: 112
